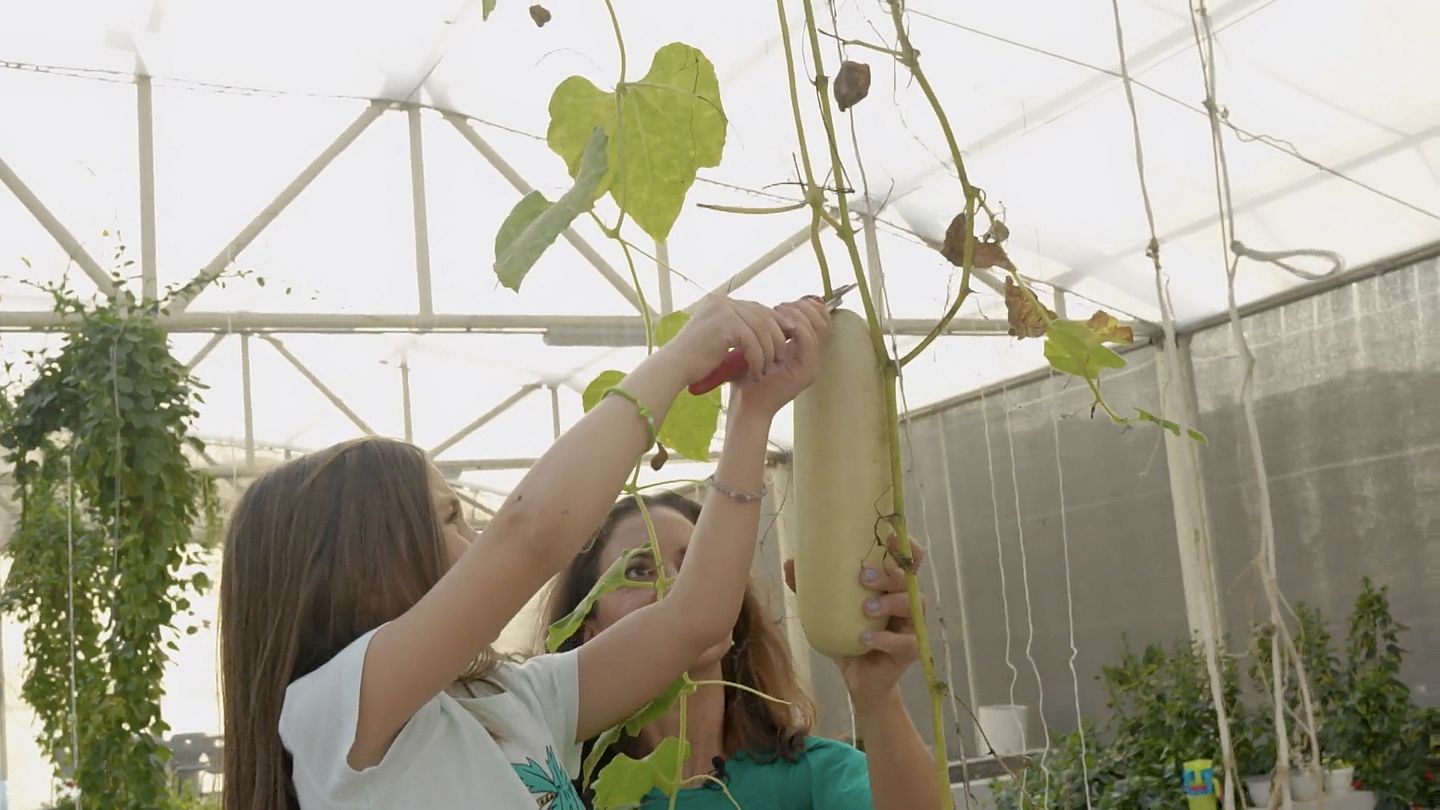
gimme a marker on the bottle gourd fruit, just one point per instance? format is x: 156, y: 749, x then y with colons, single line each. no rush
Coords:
x: 842, y: 489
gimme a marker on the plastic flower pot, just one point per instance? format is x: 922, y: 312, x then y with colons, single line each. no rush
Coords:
x: 1304, y: 787
x: 1339, y: 781
x: 1259, y: 789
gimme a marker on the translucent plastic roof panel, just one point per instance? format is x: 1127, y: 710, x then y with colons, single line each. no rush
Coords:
x: 1331, y: 137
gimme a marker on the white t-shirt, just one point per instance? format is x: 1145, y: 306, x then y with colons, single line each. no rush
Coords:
x: 512, y: 746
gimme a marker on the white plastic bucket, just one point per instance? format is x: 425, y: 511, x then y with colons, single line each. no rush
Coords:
x: 1007, y: 728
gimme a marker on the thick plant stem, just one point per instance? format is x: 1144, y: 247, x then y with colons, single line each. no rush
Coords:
x: 937, y: 688
x: 846, y: 233
x: 814, y: 197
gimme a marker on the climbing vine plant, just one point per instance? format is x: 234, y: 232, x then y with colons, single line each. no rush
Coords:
x: 642, y: 143
x: 113, y: 526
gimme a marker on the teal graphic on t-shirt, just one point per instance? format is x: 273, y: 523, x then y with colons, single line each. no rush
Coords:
x: 549, y: 782
x: 829, y: 775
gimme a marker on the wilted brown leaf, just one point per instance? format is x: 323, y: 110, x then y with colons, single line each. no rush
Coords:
x: 661, y: 456
x: 1110, y: 330
x: 1023, y: 313
x: 852, y: 84
x: 540, y: 15
x: 987, y: 254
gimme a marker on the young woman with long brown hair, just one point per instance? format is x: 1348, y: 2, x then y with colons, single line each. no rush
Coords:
x: 761, y: 750
x: 357, y: 608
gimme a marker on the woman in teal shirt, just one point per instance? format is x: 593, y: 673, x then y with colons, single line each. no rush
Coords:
x: 761, y: 750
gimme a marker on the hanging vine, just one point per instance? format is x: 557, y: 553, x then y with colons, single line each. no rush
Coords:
x: 677, y: 105
x: 105, y: 555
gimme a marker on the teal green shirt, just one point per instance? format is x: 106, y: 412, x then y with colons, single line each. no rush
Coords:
x: 830, y: 775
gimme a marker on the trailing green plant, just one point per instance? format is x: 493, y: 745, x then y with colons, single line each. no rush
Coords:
x: 1382, y: 732
x: 105, y: 555
x: 1070, y: 777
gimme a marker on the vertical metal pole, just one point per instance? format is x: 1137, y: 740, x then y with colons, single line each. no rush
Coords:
x: 405, y: 392
x: 422, y: 228
x: 555, y: 409
x: 245, y: 390
x: 872, y: 261
x: 145, y: 115
x: 1179, y: 402
x: 662, y: 261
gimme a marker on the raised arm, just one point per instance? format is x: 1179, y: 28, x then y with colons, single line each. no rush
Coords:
x: 544, y: 522
x: 654, y: 645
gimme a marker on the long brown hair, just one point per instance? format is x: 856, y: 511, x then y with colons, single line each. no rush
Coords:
x: 759, y: 657
x: 319, y: 551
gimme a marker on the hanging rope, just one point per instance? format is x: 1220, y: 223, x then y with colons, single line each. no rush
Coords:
x: 1170, y: 357
x: 999, y: 549
x: 1281, y: 642
x: 1029, y: 607
x: 1070, y: 601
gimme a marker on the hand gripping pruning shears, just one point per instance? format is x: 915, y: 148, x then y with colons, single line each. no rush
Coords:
x: 734, y: 365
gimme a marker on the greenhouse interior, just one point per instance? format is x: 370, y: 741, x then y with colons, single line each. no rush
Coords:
x: 1148, y: 370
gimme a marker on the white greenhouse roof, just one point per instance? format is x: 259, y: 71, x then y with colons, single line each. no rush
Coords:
x: 1335, y: 146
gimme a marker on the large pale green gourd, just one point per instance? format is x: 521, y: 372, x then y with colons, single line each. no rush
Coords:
x: 842, y: 489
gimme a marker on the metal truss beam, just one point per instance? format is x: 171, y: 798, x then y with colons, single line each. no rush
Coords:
x: 286, y: 196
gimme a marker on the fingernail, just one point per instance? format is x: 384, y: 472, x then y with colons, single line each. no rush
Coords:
x: 872, y: 606
x: 867, y: 637
x: 871, y: 575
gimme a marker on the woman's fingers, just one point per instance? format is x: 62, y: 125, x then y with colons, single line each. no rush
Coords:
x: 760, y: 322
x: 900, y: 646
x: 895, y: 605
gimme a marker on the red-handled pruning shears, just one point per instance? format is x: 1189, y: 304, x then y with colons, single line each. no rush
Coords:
x: 735, y: 363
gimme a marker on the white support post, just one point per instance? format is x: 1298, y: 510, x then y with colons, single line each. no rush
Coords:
x: 508, y: 172
x: 205, y: 350
x: 483, y: 419
x: 1179, y: 402
x: 405, y: 395
x: 782, y: 478
x: 267, y: 215
x: 1061, y: 311
x: 872, y: 263
x: 555, y: 410
x: 319, y: 386
x: 145, y: 118
x: 57, y: 231
x: 245, y: 393
x: 761, y: 264
x: 662, y: 262
x: 422, y: 228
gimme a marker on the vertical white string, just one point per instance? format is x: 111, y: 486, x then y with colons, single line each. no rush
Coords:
x: 1070, y: 601
x: 999, y: 547
x: 1029, y: 607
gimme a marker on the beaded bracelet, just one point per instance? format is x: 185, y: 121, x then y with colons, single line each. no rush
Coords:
x: 644, y: 413
x: 742, y: 497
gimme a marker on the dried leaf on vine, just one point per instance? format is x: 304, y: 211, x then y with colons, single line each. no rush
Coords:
x: 1110, y: 330
x: 852, y: 84
x: 1023, y: 312
x: 998, y: 231
x: 540, y: 15
x: 657, y: 462
x: 985, y: 254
